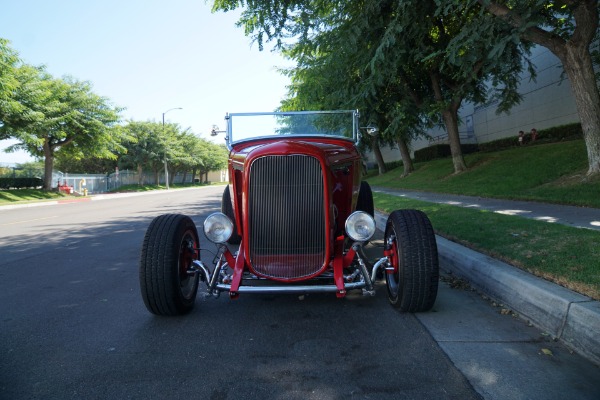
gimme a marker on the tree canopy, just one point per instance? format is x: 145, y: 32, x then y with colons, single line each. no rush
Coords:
x: 372, y: 55
x: 447, y: 51
x: 9, y: 60
x: 64, y: 120
x: 185, y: 152
x: 46, y: 114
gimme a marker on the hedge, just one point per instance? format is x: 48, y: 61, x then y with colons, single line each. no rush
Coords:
x: 441, y: 151
x: 549, y: 135
x: 20, y: 183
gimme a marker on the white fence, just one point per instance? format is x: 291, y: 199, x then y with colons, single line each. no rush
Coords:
x: 98, y: 183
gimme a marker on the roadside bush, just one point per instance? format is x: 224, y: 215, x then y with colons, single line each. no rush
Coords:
x: 562, y: 132
x: 441, y: 151
x: 20, y: 183
x: 549, y: 135
x: 393, y: 164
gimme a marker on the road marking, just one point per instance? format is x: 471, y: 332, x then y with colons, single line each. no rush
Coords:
x: 30, y: 220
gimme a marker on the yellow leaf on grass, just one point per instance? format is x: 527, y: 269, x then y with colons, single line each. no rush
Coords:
x: 547, y: 352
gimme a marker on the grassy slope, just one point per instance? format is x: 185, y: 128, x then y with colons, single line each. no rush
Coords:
x: 551, y: 173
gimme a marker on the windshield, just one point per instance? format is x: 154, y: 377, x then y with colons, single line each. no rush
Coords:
x: 247, y: 126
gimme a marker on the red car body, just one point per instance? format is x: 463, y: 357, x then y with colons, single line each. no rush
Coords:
x: 340, y: 171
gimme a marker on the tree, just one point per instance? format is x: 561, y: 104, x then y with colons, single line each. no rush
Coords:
x: 31, y: 169
x: 330, y: 74
x: 53, y: 113
x: 146, y: 149
x: 415, y: 55
x: 567, y: 28
x: 215, y: 160
x: 185, y: 152
x: 332, y: 60
x: 65, y: 162
x: 179, y: 154
x: 9, y: 60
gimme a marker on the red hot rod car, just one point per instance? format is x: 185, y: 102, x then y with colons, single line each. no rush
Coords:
x: 298, y: 210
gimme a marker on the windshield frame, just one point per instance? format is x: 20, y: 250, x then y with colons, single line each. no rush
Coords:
x: 229, y: 117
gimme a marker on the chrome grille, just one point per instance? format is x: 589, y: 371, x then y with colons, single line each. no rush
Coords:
x: 286, y: 218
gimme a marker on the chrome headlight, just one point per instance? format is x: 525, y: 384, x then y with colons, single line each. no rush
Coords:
x: 360, y: 226
x: 218, y: 228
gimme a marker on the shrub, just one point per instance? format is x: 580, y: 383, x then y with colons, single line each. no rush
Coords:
x: 549, y: 135
x: 393, y: 164
x: 20, y: 183
x: 441, y: 151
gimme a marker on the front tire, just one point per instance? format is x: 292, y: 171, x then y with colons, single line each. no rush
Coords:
x: 169, y: 248
x: 412, y: 250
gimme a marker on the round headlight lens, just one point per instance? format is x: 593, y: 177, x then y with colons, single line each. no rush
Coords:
x: 360, y: 226
x: 218, y: 228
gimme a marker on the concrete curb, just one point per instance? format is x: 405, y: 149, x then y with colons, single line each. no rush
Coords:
x: 566, y: 315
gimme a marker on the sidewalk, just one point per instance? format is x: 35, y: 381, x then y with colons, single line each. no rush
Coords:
x: 568, y: 316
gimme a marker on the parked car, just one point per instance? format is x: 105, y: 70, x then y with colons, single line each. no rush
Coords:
x: 294, y: 219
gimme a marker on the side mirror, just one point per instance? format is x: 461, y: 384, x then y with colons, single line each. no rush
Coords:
x: 371, y: 129
x: 215, y: 130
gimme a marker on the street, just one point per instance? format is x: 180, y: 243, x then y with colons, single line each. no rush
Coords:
x: 73, y: 325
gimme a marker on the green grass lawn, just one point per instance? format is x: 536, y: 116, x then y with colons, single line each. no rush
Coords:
x: 27, y: 196
x: 553, y: 173
x: 562, y: 254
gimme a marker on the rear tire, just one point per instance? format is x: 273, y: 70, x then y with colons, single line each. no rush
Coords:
x: 227, y: 209
x: 169, y: 248
x: 409, y: 237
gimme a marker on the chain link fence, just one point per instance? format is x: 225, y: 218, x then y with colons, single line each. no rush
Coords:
x: 99, y: 183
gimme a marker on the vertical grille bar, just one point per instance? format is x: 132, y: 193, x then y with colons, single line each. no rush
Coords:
x: 286, y: 217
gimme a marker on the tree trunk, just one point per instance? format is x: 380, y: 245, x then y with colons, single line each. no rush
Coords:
x: 140, y: 175
x: 406, y: 160
x: 450, y: 117
x: 578, y: 67
x: 378, y: 156
x: 48, y: 166
x: 172, y: 173
x: 157, y: 177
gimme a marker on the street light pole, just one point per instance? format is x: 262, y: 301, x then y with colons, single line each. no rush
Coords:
x: 165, y: 159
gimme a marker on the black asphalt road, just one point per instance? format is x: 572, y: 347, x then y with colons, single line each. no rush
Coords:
x: 73, y: 324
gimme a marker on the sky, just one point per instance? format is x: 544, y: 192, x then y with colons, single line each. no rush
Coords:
x: 148, y: 56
